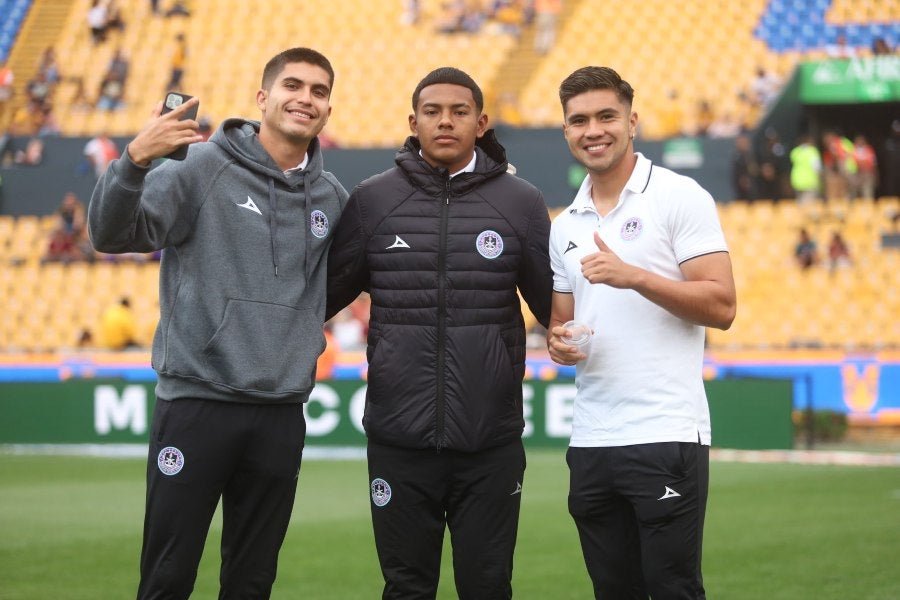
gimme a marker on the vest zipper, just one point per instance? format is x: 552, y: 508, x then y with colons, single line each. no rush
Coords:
x: 440, y: 401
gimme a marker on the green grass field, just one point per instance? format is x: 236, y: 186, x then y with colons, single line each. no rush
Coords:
x: 70, y: 528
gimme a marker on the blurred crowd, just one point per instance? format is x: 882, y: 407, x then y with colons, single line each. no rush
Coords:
x: 832, y: 166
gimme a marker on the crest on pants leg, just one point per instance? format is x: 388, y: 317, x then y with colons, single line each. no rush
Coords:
x: 170, y: 460
x: 381, y: 492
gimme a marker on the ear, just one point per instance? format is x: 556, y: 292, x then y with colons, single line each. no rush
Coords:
x: 261, y: 97
x: 412, y: 125
x: 482, y: 125
x: 633, y: 121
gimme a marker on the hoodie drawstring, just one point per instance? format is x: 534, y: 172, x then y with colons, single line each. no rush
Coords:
x: 273, y: 223
x: 308, y: 224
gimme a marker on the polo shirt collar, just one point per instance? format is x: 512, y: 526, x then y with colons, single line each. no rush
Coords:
x: 637, y: 184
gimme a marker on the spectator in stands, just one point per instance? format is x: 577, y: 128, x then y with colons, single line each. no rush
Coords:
x: 49, y: 66
x: 838, y: 252
x: 744, y: 169
x: 231, y: 407
x: 446, y: 343
x: 112, y: 88
x: 68, y: 238
x: 866, y: 179
x: 840, y: 48
x: 774, y: 168
x: 546, y: 20
x: 639, y: 256
x: 880, y: 47
x: 118, y: 66
x: 806, y: 252
x: 766, y: 87
x: 99, y: 152
x: 179, y: 58
x: 806, y: 170
x: 117, y: 329
x: 31, y: 155
x: 38, y: 88
x: 98, y: 20
x: 839, y: 163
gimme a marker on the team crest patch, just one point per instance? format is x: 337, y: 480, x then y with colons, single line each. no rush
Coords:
x: 381, y: 492
x: 632, y: 229
x: 318, y: 223
x: 170, y: 460
x: 489, y: 244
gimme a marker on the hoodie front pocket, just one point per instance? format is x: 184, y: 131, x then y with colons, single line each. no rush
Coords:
x: 265, y: 347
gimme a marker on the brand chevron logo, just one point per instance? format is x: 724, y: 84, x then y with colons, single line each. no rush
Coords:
x: 670, y: 493
x: 398, y: 243
x: 250, y: 205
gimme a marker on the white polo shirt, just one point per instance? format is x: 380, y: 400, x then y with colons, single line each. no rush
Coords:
x: 642, y: 381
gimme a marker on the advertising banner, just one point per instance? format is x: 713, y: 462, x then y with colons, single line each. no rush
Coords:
x: 748, y: 414
x: 851, y: 81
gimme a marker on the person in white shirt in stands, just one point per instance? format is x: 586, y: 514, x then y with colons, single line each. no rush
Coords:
x: 641, y: 258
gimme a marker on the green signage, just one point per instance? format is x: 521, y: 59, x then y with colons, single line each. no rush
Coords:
x: 851, y: 81
x: 745, y: 413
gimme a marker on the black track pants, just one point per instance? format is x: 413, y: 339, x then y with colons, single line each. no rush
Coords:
x: 417, y: 493
x: 201, y: 450
x: 639, y: 511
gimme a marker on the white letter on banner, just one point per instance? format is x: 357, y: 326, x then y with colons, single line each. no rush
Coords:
x: 358, y: 408
x: 560, y: 400
x: 328, y: 421
x: 110, y: 412
x: 527, y: 409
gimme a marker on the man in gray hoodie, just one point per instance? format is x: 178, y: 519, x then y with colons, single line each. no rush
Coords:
x: 244, y: 222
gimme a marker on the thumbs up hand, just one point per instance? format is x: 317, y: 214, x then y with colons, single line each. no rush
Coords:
x: 605, y: 266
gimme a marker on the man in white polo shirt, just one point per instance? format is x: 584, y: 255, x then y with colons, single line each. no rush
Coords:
x: 640, y: 257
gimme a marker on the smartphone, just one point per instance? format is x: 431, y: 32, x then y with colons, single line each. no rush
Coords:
x: 174, y: 100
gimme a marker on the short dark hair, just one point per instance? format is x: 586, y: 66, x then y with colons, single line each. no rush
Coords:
x: 295, y: 55
x: 587, y: 79
x: 449, y: 75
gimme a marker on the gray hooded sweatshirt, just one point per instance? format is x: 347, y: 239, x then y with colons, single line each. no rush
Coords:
x: 242, y: 275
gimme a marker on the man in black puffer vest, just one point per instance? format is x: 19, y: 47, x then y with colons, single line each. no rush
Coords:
x: 441, y: 242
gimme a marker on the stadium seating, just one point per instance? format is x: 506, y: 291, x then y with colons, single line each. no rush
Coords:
x: 48, y: 305
x: 700, y: 49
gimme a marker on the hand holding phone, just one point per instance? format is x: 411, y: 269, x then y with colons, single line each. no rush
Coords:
x: 172, y: 101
